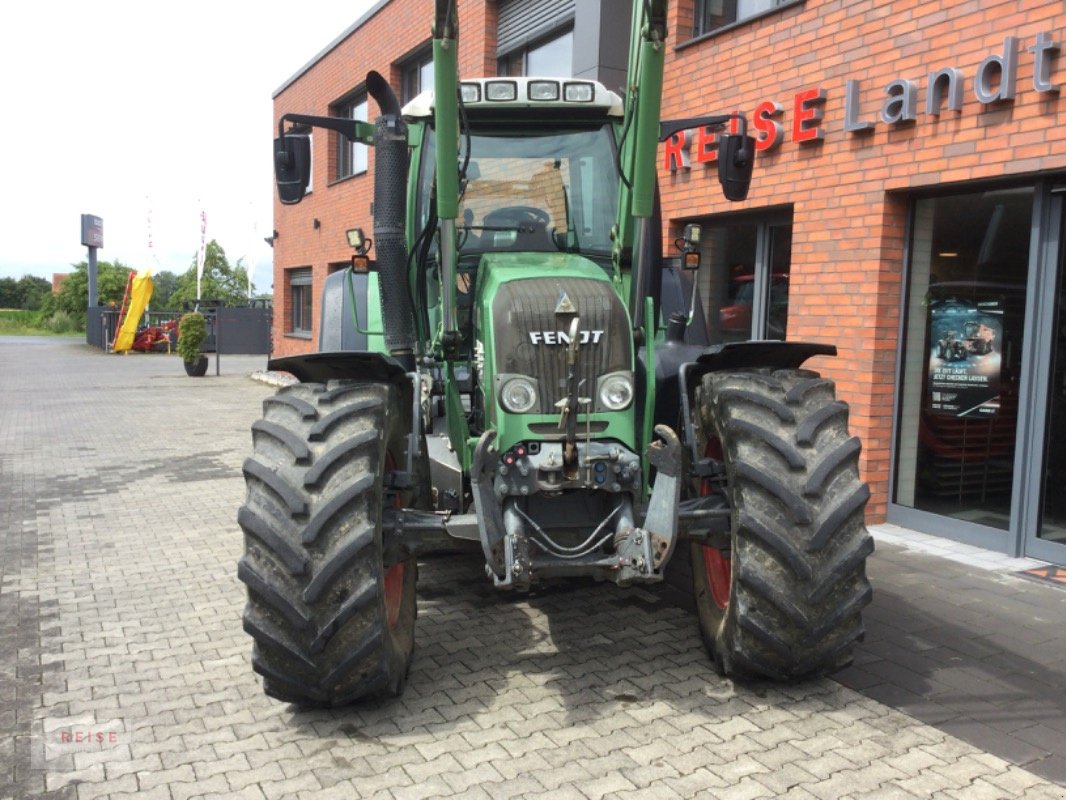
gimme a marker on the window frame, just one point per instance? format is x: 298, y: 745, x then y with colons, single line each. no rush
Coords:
x: 351, y: 158
x: 298, y: 282
x: 411, y: 68
x: 1016, y: 538
x: 699, y: 35
x: 505, y: 61
x: 763, y: 223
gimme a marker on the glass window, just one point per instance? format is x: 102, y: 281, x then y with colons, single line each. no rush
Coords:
x: 541, y: 191
x: 351, y: 156
x: 547, y: 58
x: 744, y: 277
x: 714, y: 14
x: 417, y: 76
x: 535, y: 190
x: 552, y: 59
x: 779, y: 239
x: 300, y: 286
x: 962, y: 353
x: 1053, y: 516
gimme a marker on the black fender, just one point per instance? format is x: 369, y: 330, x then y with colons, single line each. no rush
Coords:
x: 343, y: 365
x: 680, y: 366
x: 766, y: 353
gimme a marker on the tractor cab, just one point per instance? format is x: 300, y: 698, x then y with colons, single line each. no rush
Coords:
x: 538, y: 167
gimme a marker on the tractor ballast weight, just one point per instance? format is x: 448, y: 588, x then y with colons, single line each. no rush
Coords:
x: 518, y: 371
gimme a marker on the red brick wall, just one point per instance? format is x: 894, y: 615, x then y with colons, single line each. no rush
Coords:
x: 400, y: 28
x: 848, y: 192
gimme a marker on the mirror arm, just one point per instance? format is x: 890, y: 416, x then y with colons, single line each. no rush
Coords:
x: 352, y: 129
x: 669, y: 127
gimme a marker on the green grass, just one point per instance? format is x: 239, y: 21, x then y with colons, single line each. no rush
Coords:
x: 15, y: 322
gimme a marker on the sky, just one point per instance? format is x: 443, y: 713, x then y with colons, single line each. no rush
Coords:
x: 145, y: 114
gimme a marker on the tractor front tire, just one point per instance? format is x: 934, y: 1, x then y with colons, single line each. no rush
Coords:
x: 782, y: 599
x: 330, y: 620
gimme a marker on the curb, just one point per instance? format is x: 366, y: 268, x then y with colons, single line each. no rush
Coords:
x: 271, y: 378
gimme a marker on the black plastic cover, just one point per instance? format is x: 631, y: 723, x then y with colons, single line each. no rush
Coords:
x: 292, y: 166
x: 736, y: 159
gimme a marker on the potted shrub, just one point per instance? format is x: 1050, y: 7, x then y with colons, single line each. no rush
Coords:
x: 192, y: 330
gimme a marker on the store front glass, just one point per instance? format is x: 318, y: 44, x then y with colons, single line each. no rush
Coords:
x: 744, y: 278
x: 962, y: 355
x: 1053, y: 506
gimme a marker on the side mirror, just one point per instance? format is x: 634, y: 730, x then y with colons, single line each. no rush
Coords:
x: 292, y: 166
x: 736, y: 158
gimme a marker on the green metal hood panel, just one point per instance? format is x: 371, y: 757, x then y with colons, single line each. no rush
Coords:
x: 520, y: 333
x: 497, y: 268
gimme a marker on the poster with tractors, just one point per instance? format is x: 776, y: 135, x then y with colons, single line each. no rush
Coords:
x: 965, y: 357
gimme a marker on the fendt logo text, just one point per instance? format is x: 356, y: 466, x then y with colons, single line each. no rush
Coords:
x: 558, y: 337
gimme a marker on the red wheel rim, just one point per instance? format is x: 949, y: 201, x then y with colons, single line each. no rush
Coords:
x: 394, y: 574
x: 393, y: 593
x: 719, y: 571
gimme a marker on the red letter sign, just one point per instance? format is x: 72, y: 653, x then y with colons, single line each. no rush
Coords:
x: 807, y: 108
x: 674, y: 152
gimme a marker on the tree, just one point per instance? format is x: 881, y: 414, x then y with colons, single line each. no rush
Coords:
x: 32, y: 291
x: 164, y: 284
x: 9, y: 297
x: 28, y: 292
x: 220, y: 281
x: 73, y: 297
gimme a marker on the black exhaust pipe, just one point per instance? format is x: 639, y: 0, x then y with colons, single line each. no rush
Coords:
x: 390, y: 216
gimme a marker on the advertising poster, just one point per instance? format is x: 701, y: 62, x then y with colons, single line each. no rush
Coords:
x: 965, y: 357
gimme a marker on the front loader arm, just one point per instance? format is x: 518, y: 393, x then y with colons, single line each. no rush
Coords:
x: 644, y: 89
x: 446, y: 124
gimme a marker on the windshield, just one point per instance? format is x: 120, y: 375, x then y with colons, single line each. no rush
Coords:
x: 536, y: 190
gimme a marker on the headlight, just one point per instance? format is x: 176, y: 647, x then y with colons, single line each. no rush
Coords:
x: 616, y: 391
x: 579, y: 93
x: 519, y: 395
x: 543, y: 90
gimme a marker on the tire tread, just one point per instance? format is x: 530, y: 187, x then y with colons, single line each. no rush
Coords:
x: 799, y: 543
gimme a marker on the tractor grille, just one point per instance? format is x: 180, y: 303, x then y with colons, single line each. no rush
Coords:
x: 530, y: 336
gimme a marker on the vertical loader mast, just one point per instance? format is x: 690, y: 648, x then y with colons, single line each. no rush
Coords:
x: 640, y: 141
x: 446, y: 123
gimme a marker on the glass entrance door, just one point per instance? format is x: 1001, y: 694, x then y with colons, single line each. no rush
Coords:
x: 980, y: 451
x: 963, y: 365
x: 1052, y: 520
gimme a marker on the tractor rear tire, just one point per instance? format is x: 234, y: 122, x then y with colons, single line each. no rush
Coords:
x: 783, y: 598
x: 331, y: 622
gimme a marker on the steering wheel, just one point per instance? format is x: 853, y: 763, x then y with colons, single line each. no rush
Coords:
x: 516, y: 216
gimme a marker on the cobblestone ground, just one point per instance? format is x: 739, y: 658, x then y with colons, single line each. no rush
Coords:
x: 124, y: 671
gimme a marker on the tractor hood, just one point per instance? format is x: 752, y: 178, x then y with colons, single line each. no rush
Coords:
x: 527, y: 304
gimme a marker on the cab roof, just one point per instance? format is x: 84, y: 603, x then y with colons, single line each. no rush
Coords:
x: 484, y: 94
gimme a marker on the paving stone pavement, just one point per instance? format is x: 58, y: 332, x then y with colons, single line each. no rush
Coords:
x: 124, y: 671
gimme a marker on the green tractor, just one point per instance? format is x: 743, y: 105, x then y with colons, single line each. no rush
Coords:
x: 516, y: 371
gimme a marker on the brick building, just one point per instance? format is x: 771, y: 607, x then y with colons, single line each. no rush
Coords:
x: 906, y: 206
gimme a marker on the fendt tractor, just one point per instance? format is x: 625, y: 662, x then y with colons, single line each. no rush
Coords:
x: 520, y: 370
